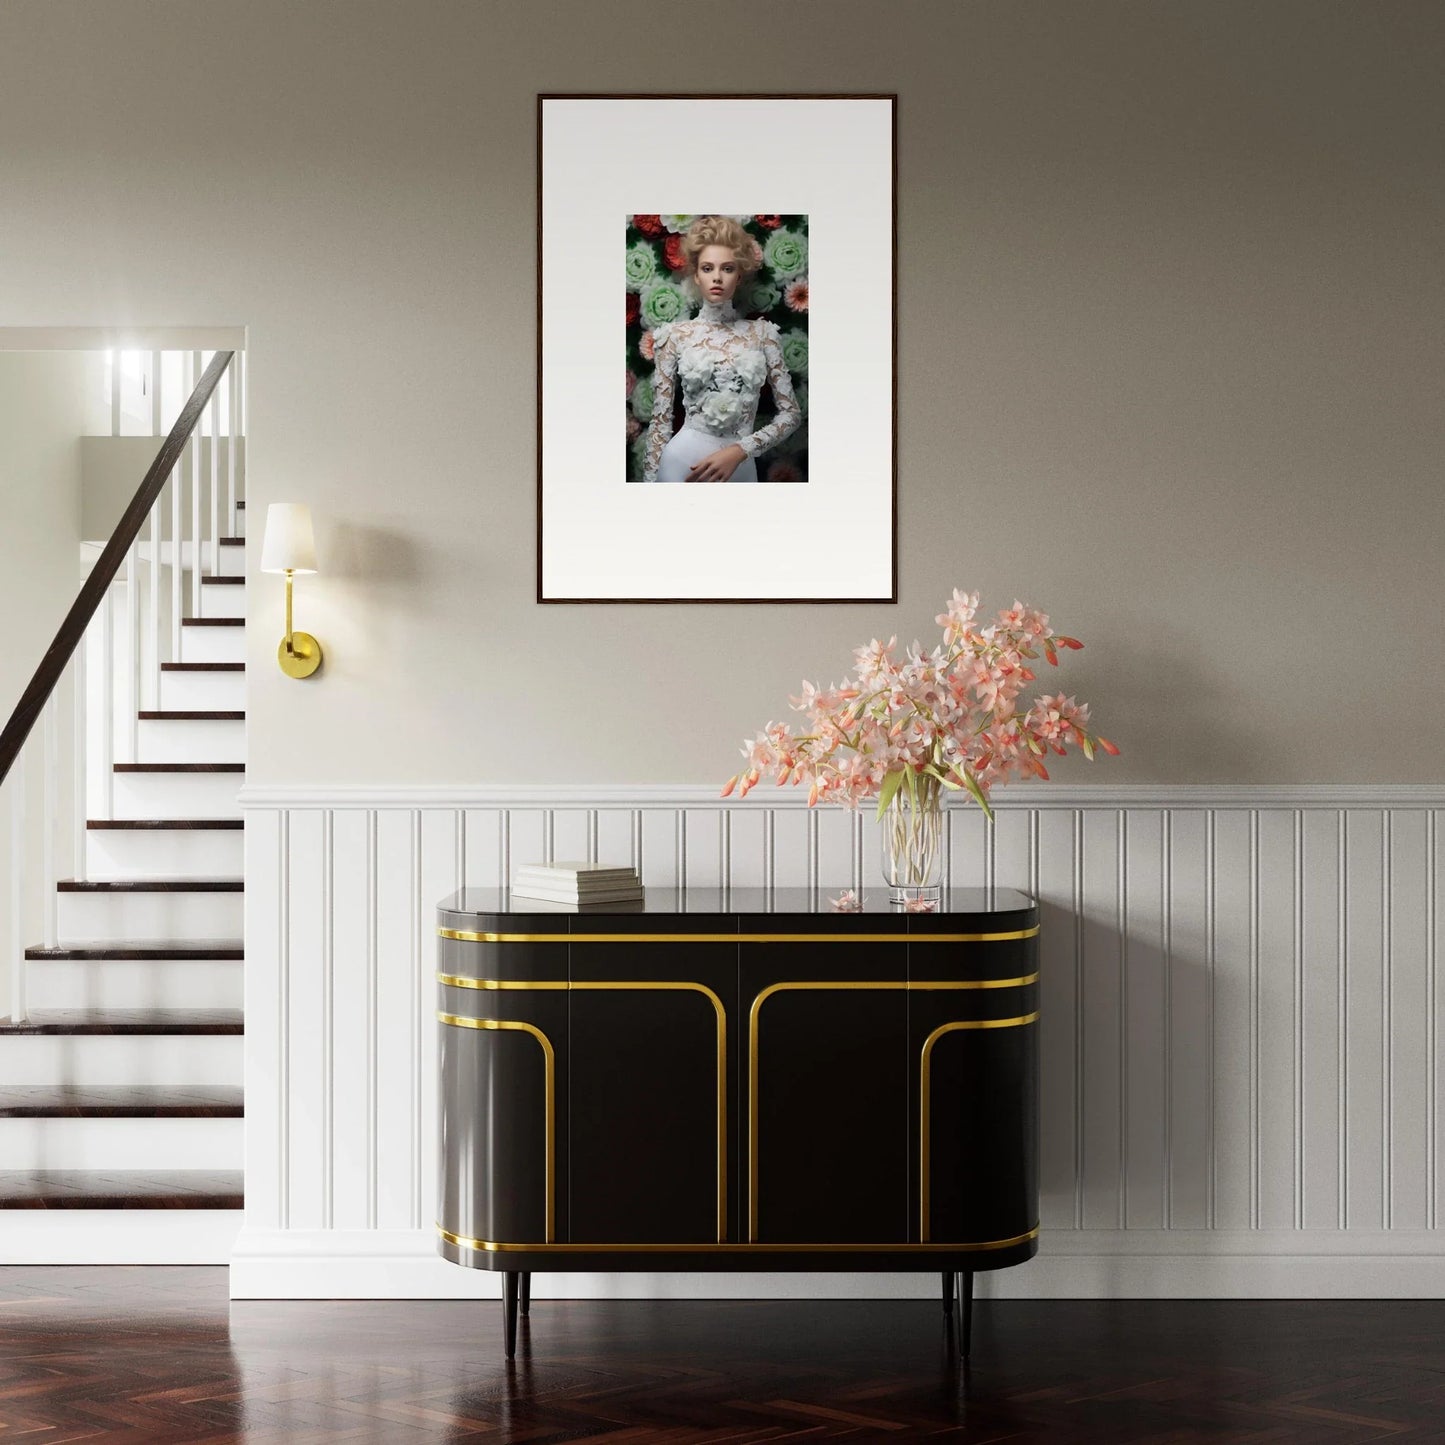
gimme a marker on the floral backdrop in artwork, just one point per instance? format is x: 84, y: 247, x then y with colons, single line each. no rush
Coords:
x: 777, y: 292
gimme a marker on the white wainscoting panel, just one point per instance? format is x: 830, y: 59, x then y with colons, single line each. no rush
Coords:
x: 1240, y: 1023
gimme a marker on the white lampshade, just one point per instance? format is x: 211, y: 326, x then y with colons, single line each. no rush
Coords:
x: 289, y: 545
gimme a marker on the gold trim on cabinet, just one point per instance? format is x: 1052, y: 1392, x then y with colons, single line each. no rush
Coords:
x: 904, y: 984
x: 488, y: 1246
x: 549, y: 1060
x: 458, y: 981
x: 925, y: 1097
x: 464, y: 936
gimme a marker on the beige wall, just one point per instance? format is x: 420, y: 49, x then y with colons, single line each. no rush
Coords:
x: 1170, y: 356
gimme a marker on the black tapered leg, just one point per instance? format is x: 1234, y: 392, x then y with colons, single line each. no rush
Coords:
x: 526, y: 1293
x: 965, y: 1310
x: 948, y: 1292
x: 509, y: 1311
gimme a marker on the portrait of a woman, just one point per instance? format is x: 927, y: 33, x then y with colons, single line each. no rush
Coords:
x: 721, y: 360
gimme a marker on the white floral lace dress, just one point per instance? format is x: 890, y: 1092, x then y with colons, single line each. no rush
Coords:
x: 722, y: 361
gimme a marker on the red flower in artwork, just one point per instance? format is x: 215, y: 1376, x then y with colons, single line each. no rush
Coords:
x: 634, y: 303
x: 648, y: 225
x: 769, y: 223
x: 672, y: 253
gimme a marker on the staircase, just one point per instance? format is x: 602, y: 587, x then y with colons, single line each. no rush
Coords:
x: 121, y: 1082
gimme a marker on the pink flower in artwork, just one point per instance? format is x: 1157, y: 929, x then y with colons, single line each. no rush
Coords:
x: 631, y: 383
x: 795, y: 293
x: 784, y: 471
x: 647, y: 346
x: 633, y: 426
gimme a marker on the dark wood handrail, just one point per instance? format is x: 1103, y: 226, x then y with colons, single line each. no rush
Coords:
x: 53, y: 664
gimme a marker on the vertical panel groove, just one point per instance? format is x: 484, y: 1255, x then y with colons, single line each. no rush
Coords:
x: 725, y: 848
x: 1078, y: 1018
x: 770, y: 848
x: 416, y: 1081
x: 1432, y: 1078
x: 461, y: 848
x: 1387, y: 1033
x: 1342, y: 1015
x: 1299, y: 1018
x: 1211, y: 1106
x: 504, y: 853
x: 283, y: 951
x: 372, y: 1042
x: 1121, y: 925
x: 1254, y: 1018
x: 328, y: 1018
x: 1166, y: 895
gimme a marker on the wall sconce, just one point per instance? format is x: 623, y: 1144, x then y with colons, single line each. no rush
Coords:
x: 290, y: 548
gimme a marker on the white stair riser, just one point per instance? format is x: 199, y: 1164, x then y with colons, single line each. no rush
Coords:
x: 122, y: 1143
x: 223, y: 601
x: 164, y: 853
x: 240, y: 528
x: 233, y: 561
x: 159, y: 916
x: 213, y: 644
x: 177, y: 795
x: 122, y: 1059
x: 203, y: 691
x: 135, y: 983
x: 191, y: 740
x: 119, y: 1236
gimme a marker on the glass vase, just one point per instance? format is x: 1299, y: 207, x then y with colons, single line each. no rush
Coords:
x: 912, y: 851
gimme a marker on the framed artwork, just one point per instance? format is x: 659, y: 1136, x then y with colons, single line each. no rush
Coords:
x: 717, y: 388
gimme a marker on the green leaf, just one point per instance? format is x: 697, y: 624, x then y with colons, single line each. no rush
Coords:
x: 943, y: 778
x: 912, y: 785
x: 886, y: 792
x: 1088, y: 747
x: 972, y: 784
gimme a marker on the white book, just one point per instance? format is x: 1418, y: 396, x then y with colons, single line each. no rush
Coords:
x: 570, y: 873
x: 562, y: 895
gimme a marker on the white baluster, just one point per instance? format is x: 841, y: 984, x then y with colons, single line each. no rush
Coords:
x: 17, y: 889
x: 233, y: 408
x: 81, y: 750
x: 153, y: 650
x: 174, y: 485
x: 116, y: 367
x: 213, y: 410
x: 47, y: 822
x: 195, y: 447
x: 132, y: 651
x: 107, y: 704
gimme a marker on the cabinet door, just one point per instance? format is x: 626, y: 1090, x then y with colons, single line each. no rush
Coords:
x: 654, y: 1069
x: 973, y: 1041
x: 826, y: 1109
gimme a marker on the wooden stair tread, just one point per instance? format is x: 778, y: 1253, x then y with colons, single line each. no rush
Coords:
x: 103, y: 948
x: 129, y: 1021
x: 121, y: 1101
x: 223, y: 581
x: 195, y: 715
x: 203, y: 666
x: 232, y: 541
x: 151, y: 885
x: 196, y: 824
x: 179, y: 767
x: 122, y: 1189
x: 213, y: 621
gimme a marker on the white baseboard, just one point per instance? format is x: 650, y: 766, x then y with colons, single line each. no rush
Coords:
x: 119, y: 1236
x: 1162, y: 1264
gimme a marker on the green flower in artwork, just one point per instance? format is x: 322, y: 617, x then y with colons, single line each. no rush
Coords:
x: 641, y: 266
x: 641, y: 399
x: 795, y: 352
x: 801, y: 392
x: 638, y: 451
x: 786, y: 253
x: 761, y: 296
x: 662, y: 303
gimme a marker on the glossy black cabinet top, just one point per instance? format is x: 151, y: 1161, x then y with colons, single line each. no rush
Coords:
x: 995, y: 907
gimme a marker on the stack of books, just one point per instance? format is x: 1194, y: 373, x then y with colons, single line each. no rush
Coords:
x: 578, y: 885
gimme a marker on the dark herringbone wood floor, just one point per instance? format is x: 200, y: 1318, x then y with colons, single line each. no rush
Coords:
x: 158, y: 1354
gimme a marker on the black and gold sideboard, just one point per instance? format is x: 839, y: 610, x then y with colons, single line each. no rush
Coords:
x: 745, y: 1080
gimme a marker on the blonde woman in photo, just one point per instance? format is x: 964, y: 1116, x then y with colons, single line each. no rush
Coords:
x: 722, y: 362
